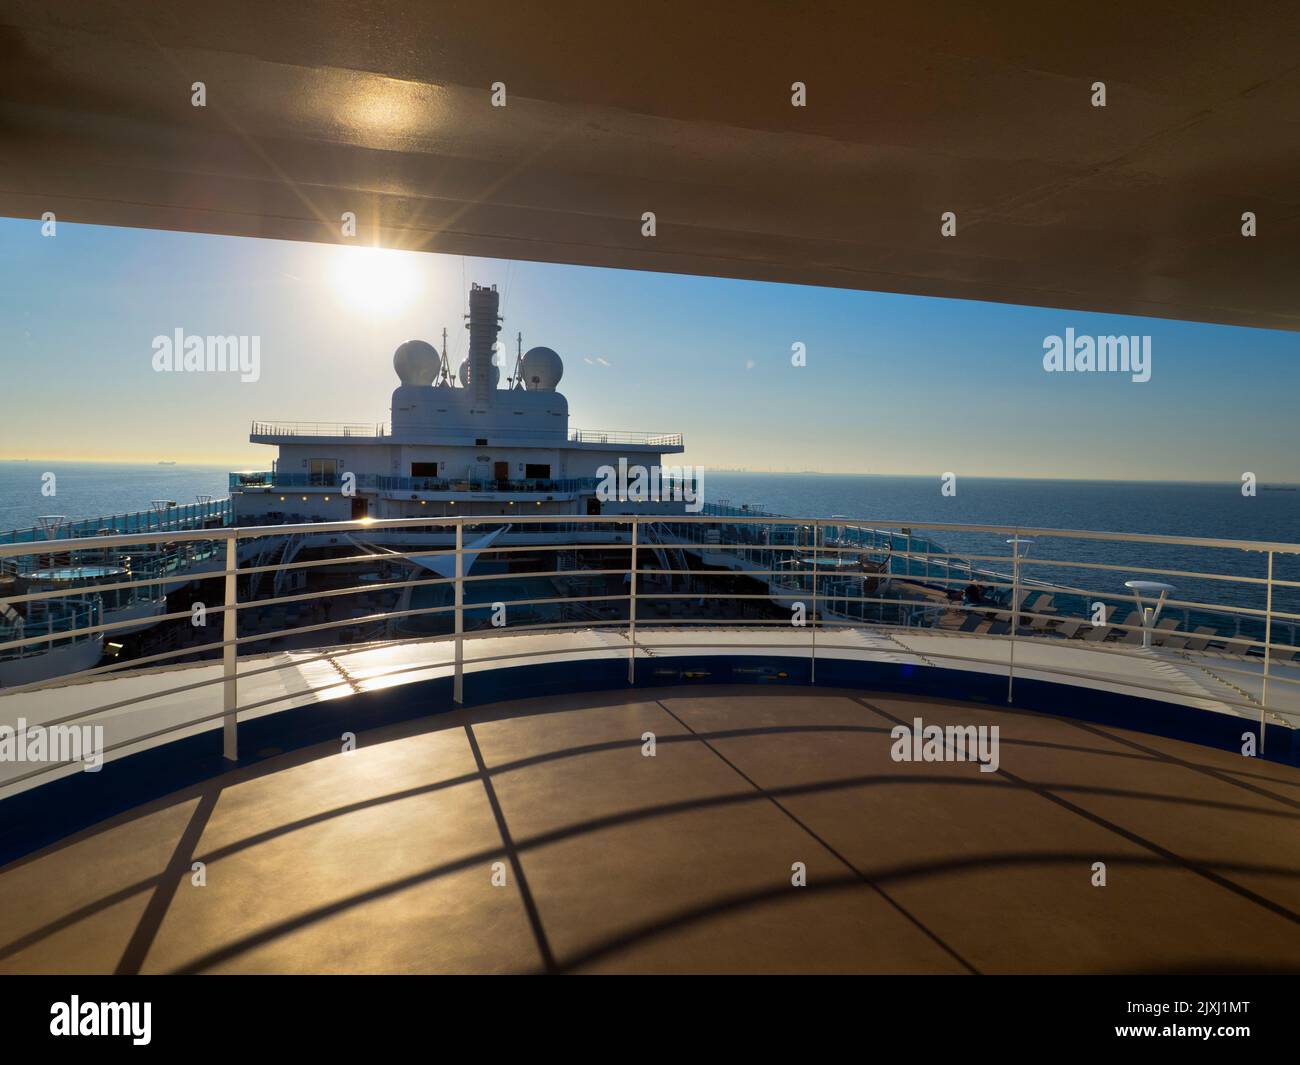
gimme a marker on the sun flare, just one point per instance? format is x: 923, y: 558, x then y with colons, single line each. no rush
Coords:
x: 376, y: 281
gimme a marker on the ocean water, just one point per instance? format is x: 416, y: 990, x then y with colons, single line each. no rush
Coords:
x: 92, y: 489
x: 1184, y: 509
x: 1217, y: 511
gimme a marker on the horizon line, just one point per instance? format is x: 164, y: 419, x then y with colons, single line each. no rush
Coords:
x: 235, y: 468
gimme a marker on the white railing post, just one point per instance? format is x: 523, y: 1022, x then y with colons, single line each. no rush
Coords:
x: 812, y: 665
x: 631, y: 609
x: 229, y: 653
x: 1015, y: 611
x: 458, y: 685
x: 1268, y: 650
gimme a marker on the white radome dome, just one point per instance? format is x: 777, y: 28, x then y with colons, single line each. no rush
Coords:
x: 464, y: 375
x: 416, y: 362
x: 542, y: 370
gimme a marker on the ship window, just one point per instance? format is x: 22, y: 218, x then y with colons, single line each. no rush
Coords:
x: 424, y: 469
x: 537, y: 471
x: 320, y: 472
x: 481, y: 442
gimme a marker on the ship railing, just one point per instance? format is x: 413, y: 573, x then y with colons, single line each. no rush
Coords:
x: 670, y: 488
x: 1254, y: 597
x: 73, y: 619
x: 181, y: 517
x: 144, y: 573
x: 618, y: 436
x: 383, y: 429
x: 251, y: 479
x: 901, y: 552
x: 356, y: 429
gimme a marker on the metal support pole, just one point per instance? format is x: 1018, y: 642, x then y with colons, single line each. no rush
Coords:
x: 229, y: 654
x: 1268, y: 649
x: 812, y: 677
x: 1015, y: 610
x: 458, y: 685
x: 631, y: 608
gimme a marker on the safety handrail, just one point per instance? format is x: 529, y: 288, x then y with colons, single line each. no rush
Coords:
x: 628, y: 537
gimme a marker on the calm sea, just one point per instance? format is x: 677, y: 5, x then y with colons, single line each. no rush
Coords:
x: 1204, y: 510
x: 92, y: 489
x: 1209, y: 510
x: 1217, y: 511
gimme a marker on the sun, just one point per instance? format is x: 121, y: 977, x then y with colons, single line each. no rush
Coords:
x: 377, y: 281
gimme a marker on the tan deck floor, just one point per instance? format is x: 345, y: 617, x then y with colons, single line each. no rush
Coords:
x: 381, y: 860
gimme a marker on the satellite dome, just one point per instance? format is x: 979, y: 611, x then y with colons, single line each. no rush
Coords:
x: 416, y: 362
x: 464, y: 374
x: 542, y: 370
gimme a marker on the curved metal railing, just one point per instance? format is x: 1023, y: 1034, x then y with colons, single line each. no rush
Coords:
x: 750, y: 573
x: 376, y: 430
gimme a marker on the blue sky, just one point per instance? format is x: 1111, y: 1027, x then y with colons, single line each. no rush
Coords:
x: 893, y: 384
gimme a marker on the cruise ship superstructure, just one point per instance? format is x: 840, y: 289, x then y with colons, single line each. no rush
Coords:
x: 456, y: 444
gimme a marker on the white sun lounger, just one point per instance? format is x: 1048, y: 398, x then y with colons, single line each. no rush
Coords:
x: 1133, y: 634
x: 1097, y: 633
x: 1164, y: 635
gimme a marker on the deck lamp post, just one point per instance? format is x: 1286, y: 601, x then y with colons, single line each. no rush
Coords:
x: 1149, y: 615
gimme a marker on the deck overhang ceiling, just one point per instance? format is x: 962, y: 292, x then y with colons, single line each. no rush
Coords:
x: 383, y: 108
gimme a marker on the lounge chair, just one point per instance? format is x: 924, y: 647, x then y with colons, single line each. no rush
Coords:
x: 1068, y: 628
x: 1007, y: 613
x: 1279, y: 657
x: 1164, y: 635
x: 1134, y: 631
x: 1041, y: 604
x: 1200, y: 639
x: 1095, y: 633
x: 1003, y: 628
x: 1231, y: 646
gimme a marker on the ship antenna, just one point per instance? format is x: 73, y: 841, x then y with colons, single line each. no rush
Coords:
x: 517, y: 381
x: 444, y: 371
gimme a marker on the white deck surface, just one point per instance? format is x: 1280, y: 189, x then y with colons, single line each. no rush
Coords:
x: 297, y: 678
